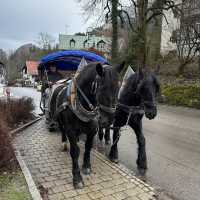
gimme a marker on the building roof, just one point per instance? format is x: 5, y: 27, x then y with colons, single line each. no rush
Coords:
x: 32, y: 67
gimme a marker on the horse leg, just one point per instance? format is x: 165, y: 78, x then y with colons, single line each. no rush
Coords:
x: 86, y: 168
x: 107, y: 136
x: 100, y: 133
x: 142, y: 158
x: 113, y: 155
x: 63, y: 134
x: 74, y: 152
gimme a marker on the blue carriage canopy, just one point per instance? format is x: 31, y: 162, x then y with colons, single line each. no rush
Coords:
x: 69, y: 60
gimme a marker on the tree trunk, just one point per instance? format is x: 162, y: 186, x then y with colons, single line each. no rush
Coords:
x: 199, y: 63
x: 181, y: 68
x: 154, y: 32
x: 114, y: 50
x: 142, y: 33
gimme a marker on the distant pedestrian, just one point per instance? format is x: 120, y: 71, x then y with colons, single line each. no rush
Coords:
x: 8, y: 93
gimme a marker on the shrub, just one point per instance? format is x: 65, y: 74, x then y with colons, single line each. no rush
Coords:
x: 6, y: 149
x: 12, y: 113
x: 16, y: 111
x: 182, y: 95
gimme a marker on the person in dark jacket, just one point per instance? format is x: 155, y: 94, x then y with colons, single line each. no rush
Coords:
x: 53, y: 74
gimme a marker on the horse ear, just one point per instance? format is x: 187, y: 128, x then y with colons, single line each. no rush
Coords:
x: 120, y: 67
x: 157, y: 70
x: 99, y: 69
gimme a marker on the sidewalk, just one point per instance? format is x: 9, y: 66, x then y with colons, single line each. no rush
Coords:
x: 51, y: 170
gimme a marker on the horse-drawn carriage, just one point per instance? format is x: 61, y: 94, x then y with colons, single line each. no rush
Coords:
x: 57, y: 69
x: 89, y: 102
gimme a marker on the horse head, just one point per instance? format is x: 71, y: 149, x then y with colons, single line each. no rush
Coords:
x: 101, y: 85
x: 107, y: 93
x: 148, y: 89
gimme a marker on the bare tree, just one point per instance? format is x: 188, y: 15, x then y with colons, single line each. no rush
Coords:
x: 187, y: 40
x: 112, y: 11
x: 45, y: 40
x: 146, y: 11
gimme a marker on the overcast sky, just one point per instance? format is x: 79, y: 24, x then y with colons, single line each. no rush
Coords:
x: 22, y: 20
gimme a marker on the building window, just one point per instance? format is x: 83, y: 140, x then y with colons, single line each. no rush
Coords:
x: 101, y: 45
x: 72, y: 43
x: 84, y: 43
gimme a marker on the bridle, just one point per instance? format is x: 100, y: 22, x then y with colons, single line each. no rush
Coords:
x: 139, y: 109
x: 107, y: 109
x: 143, y: 102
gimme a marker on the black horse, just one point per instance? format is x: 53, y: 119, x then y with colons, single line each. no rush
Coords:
x: 137, y: 98
x: 97, y: 87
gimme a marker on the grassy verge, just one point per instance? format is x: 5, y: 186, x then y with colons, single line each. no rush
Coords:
x: 13, y: 186
x: 182, y: 95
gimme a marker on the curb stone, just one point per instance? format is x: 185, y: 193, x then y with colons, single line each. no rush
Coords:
x: 126, y: 172
x: 29, y: 180
x: 17, y: 130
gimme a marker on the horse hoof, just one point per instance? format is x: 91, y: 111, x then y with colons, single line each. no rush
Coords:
x: 142, y: 172
x: 100, y: 146
x: 79, y: 185
x: 51, y: 129
x: 86, y: 171
x: 114, y: 160
x: 64, y: 146
x: 108, y: 142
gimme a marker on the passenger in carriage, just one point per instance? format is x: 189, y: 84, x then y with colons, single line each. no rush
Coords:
x: 53, y: 74
x: 51, y: 77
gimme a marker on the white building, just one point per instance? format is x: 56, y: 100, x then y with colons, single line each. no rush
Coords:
x: 168, y: 27
x: 70, y: 42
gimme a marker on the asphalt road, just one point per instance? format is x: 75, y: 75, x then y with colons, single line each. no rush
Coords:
x: 173, y: 149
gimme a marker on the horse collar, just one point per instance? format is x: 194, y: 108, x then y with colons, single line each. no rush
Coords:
x: 76, y: 106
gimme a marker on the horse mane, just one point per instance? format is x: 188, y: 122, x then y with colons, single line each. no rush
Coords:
x: 131, y: 84
x: 87, y: 74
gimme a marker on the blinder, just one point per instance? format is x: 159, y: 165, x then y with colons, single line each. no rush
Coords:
x: 106, y: 109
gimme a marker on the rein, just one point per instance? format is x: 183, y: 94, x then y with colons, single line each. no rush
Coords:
x: 84, y: 96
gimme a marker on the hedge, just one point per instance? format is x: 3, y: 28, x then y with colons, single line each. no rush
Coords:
x: 16, y: 111
x: 12, y: 113
x: 182, y: 95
